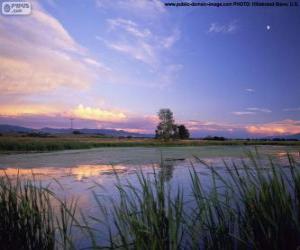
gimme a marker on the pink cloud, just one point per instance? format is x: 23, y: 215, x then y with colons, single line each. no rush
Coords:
x: 37, y: 54
x: 284, y: 127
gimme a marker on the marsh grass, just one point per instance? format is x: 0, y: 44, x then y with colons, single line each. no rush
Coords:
x: 255, y: 205
x: 145, y: 217
x: 68, y: 142
x: 251, y: 204
x: 29, y: 219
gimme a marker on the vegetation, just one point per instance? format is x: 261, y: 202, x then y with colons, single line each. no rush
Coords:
x: 68, y: 142
x: 27, y: 217
x: 253, y: 206
x: 214, y: 138
x: 183, y: 132
x: 167, y: 129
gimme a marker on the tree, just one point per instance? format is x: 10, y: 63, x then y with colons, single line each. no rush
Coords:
x: 183, y: 132
x: 165, y: 128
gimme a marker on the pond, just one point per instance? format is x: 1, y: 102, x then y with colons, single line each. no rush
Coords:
x: 81, y: 174
x: 79, y: 170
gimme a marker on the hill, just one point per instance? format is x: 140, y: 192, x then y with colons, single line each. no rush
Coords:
x: 5, y: 128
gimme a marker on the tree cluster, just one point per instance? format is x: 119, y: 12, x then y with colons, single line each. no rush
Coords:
x: 167, y: 129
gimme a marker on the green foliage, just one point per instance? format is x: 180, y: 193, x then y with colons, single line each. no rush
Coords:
x: 183, y: 132
x: 165, y: 128
x: 147, y: 217
x: 27, y: 217
x: 20, y: 144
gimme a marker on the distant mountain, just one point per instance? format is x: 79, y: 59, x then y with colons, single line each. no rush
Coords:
x: 287, y: 137
x: 4, y: 128
x: 295, y: 136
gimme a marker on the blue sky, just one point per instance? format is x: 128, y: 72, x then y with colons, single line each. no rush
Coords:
x: 113, y: 64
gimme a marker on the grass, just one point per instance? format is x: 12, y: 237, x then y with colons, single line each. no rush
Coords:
x: 67, y: 142
x: 30, y: 220
x: 255, y: 205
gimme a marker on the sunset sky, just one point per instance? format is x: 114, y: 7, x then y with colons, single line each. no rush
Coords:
x: 113, y: 64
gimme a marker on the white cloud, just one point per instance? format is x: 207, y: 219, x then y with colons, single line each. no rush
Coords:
x: 223, y: 28
x: 291, y: 109
x: 129, y: 26
x: 195, y: 125
x: 138, y: 42
x: 250, y: 90
x: 263, y: 110
x: 141, y: 51
x: 243, y: 113
x: 170, y: 40
x: 142, y: 8
x: 252, y: 111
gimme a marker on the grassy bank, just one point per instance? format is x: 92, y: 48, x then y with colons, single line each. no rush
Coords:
x: 31, y: 217
x: 31, y: 144
x: 254, y: 206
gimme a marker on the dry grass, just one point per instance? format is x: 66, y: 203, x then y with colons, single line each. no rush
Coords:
x: 19, y: 143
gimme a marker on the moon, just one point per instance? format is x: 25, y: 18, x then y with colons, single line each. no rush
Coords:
x: 268, y: 27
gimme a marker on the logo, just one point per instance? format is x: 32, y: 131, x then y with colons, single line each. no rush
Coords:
x: 16, y: 8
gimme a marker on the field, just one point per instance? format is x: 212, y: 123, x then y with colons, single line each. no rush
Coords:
x: 11, y: 143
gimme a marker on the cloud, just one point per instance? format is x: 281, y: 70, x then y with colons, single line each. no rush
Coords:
x: 137, y: 42
x: 291, y: 109
x: 243, y: 113
x: 80, y: 112
x: 284, y: 127
x: 97, y: 64
x: 195, y: 125
x: 37, y: 54
x: 146, y: 47
x: 170, y: 40
x: 141, y: 8
x: 38, y: 116
x: 263, y: 110
x: 250, y: 90
x: 223, y: 28
x: 129, y: 26
x: 141, y: 51
x: 14, y: 110
x: 97, y: 114
x: 252, y: 111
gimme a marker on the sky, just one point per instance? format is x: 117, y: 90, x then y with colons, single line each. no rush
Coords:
x: 230, y: 71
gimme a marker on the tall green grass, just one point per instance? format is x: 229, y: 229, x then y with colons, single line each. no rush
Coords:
x: 255, y: 205
x: 31, y: 217
x: 252, y: 204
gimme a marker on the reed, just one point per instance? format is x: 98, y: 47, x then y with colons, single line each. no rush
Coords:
x: 251, y: 204
x: 29, y: 218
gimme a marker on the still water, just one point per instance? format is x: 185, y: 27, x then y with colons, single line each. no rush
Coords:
x: 79, y: 171
x: 80, y: 174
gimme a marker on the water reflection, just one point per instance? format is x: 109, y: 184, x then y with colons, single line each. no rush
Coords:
x: 80, y: 176
x: 167, y: 169
x: 79, y: 172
